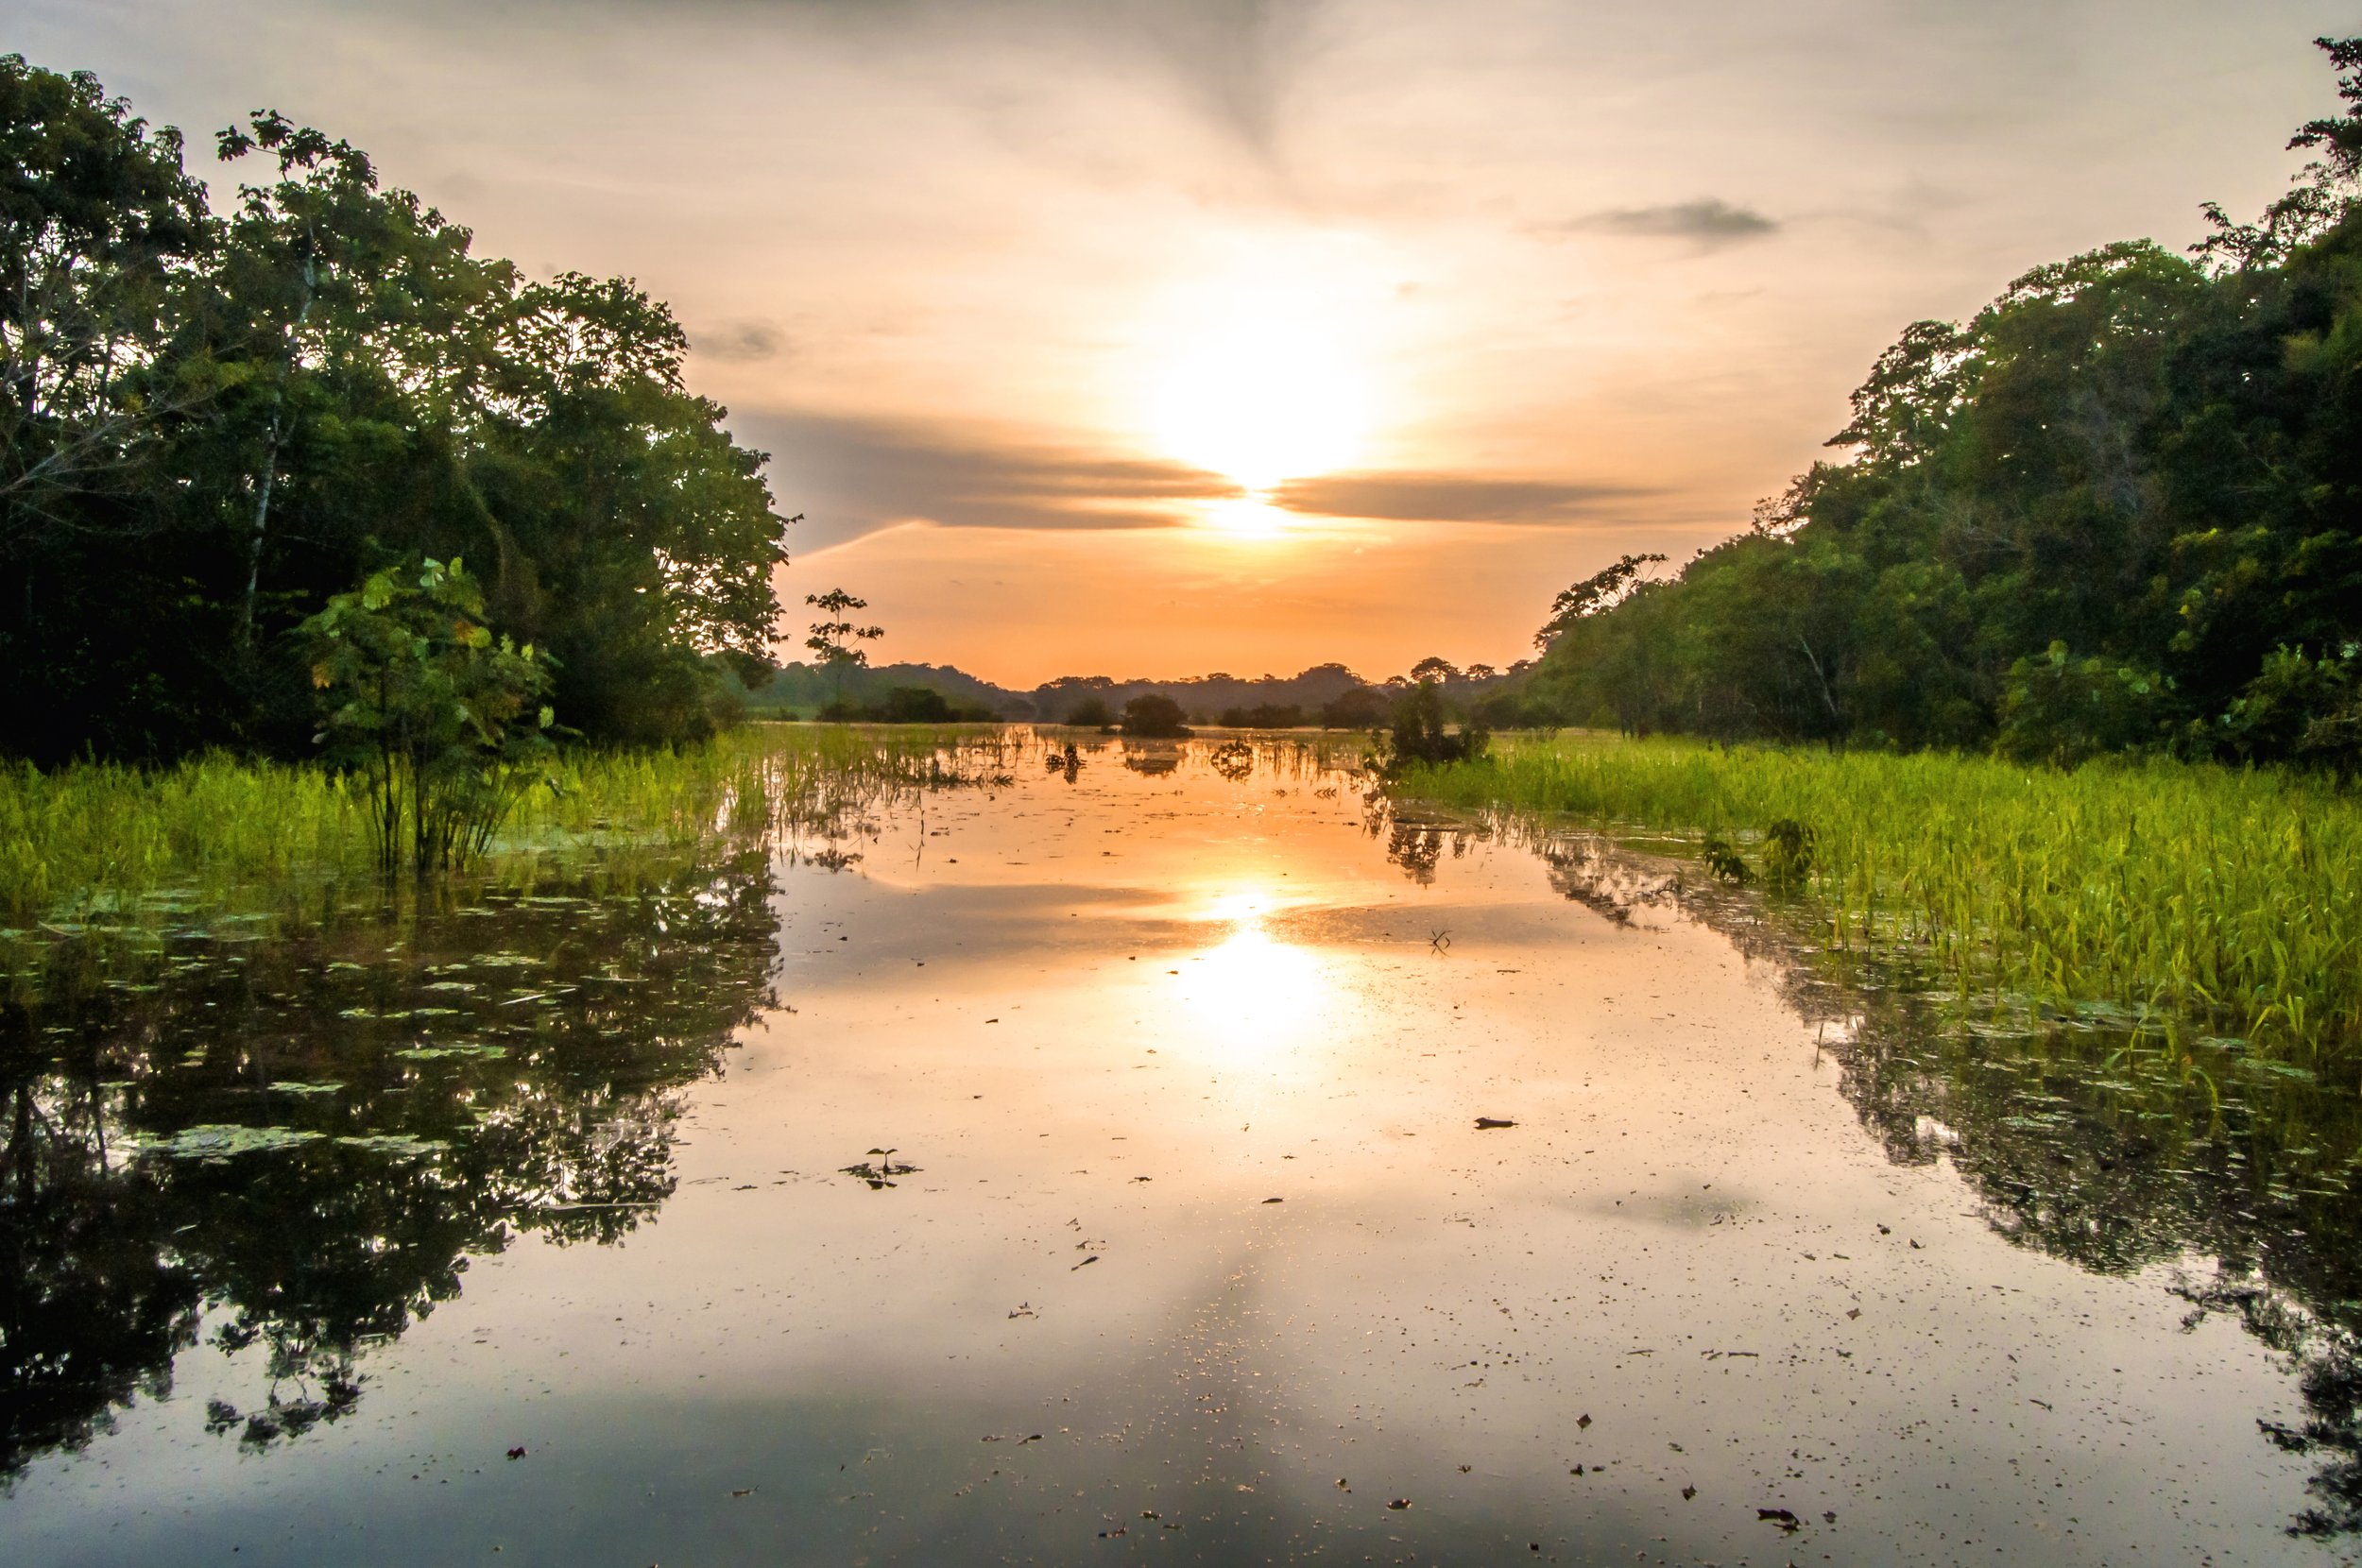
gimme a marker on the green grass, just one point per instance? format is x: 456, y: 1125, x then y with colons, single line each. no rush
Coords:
x: 215, y: 830
x: 2183, y: 893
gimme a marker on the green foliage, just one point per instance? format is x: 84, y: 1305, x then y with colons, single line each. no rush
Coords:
x: 837, y: 640
x: 231, y: 420
x: 2061, y: 710
x: 98, y: 842
x: 2184, y: 890
x: 1092, y: 712
x: 441, y: 719
x: 2151, y: 461
x: 1724, y: 861
x: 1791, y: 850
x: 1153, y: 715
x: 1423, y: 733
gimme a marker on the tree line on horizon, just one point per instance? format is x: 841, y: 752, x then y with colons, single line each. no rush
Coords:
x: 211, y: 424
x: 2120, y: 510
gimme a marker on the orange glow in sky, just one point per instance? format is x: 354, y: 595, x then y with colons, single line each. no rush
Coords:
x: 1162, y: 336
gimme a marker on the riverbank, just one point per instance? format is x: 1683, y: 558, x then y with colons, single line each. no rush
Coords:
x: 98, y: 839
x: 2192, y: 898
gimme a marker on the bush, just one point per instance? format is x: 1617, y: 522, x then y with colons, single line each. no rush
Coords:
x: 1421, y: 734
x: 1092, y: 713
x: 438, y: 718
x: 1152, y: 714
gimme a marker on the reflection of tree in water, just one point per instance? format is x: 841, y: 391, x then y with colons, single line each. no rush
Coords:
x: 2097, y: 1145
x: 1151, y: 763
x: 1417, y: 846
x: 425, y: 1107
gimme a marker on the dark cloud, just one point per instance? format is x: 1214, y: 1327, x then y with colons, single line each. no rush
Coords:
x: 1236, y: 57
x: 1447, y: 497
x: 1709, y: 221
x: 737, y: 340
x: 852, y: 476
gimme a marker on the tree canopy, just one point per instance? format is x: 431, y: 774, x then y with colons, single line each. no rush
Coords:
x: 2119, y: 509
x: 218, y: 419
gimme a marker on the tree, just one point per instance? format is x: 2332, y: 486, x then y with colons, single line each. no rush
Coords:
x: 1154, y: 715
x: 1595, y: 595
x: 1434, y: 668
x: 2120, y: 508
x: 211, y: 427
x: 834, y: 638
x: 441, y: 718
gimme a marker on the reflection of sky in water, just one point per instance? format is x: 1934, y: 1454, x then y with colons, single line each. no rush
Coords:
x: 1257, y: 1000
x: 1108, y: 1019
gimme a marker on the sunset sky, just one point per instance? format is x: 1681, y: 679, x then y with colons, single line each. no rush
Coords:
x: 1149, y: 337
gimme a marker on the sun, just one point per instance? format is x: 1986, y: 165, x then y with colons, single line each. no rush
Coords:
x: 1260, y: 399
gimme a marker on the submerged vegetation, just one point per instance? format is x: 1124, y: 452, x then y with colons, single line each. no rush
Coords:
x: 2215, y: 904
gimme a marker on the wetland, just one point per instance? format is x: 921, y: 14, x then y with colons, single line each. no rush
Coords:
x: 1054, y: 1148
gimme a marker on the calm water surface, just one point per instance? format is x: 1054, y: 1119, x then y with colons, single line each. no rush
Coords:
x: 1088, y: 1167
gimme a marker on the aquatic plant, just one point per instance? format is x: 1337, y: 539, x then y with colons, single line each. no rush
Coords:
x: 110, y: 842
x: 2193, y: 891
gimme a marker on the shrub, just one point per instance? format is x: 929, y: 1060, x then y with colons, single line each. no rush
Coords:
x: 1152, y: 714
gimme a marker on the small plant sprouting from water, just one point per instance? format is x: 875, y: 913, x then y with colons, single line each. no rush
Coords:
x: 879, y: 1168
x: 441, y: 719
x: 1724, y: 861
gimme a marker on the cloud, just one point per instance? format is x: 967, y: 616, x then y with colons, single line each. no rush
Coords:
x: 1708, y: 222
x: 851, y: 476
x: 1447, y: 497
x: 738, y: 340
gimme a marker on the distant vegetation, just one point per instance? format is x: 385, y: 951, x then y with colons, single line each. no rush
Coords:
x: 908, y: 704
x: 2120, y: 510
x: 1154, y: 715
x: 214, y: 423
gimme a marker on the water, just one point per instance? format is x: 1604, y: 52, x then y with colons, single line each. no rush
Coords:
x: 1091, y: 1167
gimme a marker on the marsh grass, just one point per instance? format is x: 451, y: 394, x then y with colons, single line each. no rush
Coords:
x: 104, y: 843
x: 2196, y: 901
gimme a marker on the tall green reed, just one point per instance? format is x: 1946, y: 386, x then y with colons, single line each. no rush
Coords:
x: 103, y: 837
x: 2181, y: 891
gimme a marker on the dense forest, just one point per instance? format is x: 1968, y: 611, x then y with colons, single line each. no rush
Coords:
x: 2121, y: 509
x: 215, y: 420
x: 1325, y: 693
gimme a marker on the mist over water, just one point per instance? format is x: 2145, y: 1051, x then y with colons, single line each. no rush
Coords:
x: 1097, y: 1158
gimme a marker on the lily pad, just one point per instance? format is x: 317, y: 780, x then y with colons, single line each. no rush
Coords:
x: 219, y: 1141
x: 393, y: 1143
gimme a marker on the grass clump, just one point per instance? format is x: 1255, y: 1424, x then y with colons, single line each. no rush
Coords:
x: 2180, y: 891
